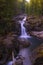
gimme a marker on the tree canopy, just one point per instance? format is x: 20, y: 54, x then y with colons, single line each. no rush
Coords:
x: 11, y: 8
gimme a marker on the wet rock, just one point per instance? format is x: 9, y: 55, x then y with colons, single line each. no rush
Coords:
x: 8, y: 40
x: 37, y: 54
x: 37, y: 34
x: 11, y: 43
x: 24, y: 43
x: 19, y: 60
x: 34, y: 23
x: 19, y: 17
x: 16, y: 26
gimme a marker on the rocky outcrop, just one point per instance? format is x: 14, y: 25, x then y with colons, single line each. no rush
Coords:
x: 24, y: 43
x: 16, y: 26
x: 19, y: 60
x: 36, y: 54
x: 34, y: 23
x: 8, y: 44
x: 37, y: 34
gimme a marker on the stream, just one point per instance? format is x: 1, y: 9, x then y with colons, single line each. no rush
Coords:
x: 26, y: 52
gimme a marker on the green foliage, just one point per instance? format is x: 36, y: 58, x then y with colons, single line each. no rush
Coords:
x: 6, y: 14
x: 6, y: 9
x: 10, y: 8
x: 35, y: 7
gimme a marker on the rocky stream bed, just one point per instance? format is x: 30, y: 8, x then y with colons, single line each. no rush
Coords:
x: 12, y: 42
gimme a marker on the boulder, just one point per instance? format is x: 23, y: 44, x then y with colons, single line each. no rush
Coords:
x: 37, y: 34
x: 23, y: 42
x: 19, y: 60
x: 8, y: 44
x: 34, y: 23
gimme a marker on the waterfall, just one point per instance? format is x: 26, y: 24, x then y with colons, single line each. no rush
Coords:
x: 23, y: 29
x: 23, y: 52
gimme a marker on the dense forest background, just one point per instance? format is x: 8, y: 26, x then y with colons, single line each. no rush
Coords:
x: 11, y: 8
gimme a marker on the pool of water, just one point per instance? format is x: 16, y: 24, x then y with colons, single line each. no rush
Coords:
x: 35, y: 42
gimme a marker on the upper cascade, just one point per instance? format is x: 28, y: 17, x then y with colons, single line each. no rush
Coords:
x: 23, y: 29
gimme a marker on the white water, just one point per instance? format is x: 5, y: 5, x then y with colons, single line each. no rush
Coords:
x: 23, y: 29
x: 24, y: 52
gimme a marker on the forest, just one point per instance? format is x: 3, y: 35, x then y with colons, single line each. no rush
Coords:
x: 21, y: 32
x: 11, y: 8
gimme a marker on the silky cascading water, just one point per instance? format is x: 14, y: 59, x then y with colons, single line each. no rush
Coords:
x: 23, y: 29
